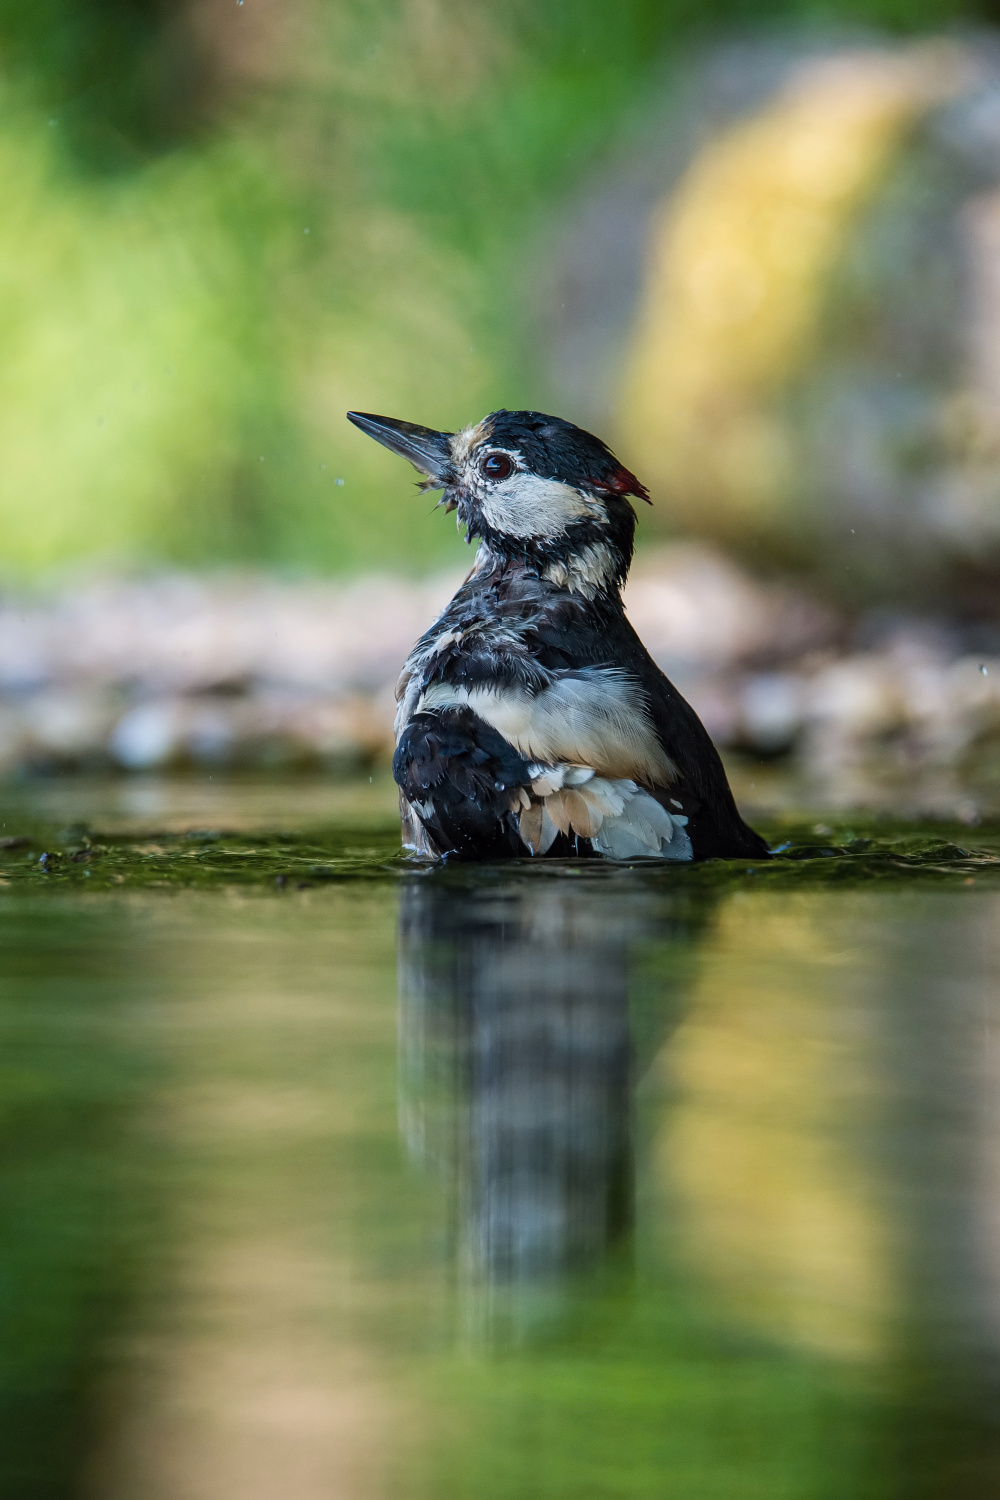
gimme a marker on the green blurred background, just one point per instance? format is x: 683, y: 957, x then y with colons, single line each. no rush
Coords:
x: 226, y: 222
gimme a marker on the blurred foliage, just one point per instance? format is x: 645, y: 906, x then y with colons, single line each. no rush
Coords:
x: 229, y: 221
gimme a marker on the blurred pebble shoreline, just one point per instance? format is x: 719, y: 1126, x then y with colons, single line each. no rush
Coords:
x: 247, y: 671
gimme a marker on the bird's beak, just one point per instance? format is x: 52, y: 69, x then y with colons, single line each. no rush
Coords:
x: 427, y: 450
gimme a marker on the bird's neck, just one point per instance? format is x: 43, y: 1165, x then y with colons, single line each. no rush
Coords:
x: 595, y: 570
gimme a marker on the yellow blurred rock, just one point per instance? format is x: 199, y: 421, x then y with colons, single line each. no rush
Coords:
x: 739, y: 263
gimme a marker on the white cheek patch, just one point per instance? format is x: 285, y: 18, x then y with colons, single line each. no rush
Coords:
x: 597, y: 719
x: 526, y: 506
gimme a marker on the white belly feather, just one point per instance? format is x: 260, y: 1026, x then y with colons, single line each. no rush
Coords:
x: 621, y: 820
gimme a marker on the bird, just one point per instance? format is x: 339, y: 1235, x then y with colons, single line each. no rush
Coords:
x: 532, y: 722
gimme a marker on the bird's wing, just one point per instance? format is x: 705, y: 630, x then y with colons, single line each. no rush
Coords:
x: 462, y: 780
x: 716, y: 827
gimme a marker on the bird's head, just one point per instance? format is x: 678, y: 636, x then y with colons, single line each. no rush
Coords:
x: 534, y: 490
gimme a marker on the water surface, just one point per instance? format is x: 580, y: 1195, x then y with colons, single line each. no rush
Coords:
x: 328, y: 1176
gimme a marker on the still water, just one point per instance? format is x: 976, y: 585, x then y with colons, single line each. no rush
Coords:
x: 327, y: 1177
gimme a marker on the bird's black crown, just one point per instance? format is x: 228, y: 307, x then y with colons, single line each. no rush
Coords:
x: 556, y: 449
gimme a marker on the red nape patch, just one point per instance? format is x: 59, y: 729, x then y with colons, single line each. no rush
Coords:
x: 624, y: 482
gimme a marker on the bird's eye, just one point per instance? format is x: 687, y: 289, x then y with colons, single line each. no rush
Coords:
x: 497, y: 466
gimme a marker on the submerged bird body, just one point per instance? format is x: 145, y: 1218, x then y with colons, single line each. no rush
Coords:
x: 532, y: 721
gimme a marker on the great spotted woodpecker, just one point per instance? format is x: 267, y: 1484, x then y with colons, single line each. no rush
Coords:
x: 532, y: 721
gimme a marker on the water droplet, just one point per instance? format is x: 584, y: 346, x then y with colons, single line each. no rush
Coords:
x: 338, y: 481
x: 853, y: 532
x: 305, y: 231
x: 54, y: 120
x: 262, y: 458
x: 323, y: 467
x: 984, y: 669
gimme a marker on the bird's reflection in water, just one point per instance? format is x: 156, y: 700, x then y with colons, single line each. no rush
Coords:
x: 516, y: 1068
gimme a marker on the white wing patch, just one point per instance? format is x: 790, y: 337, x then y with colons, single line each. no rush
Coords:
x: 595, y: 718
x: 621, y: 820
